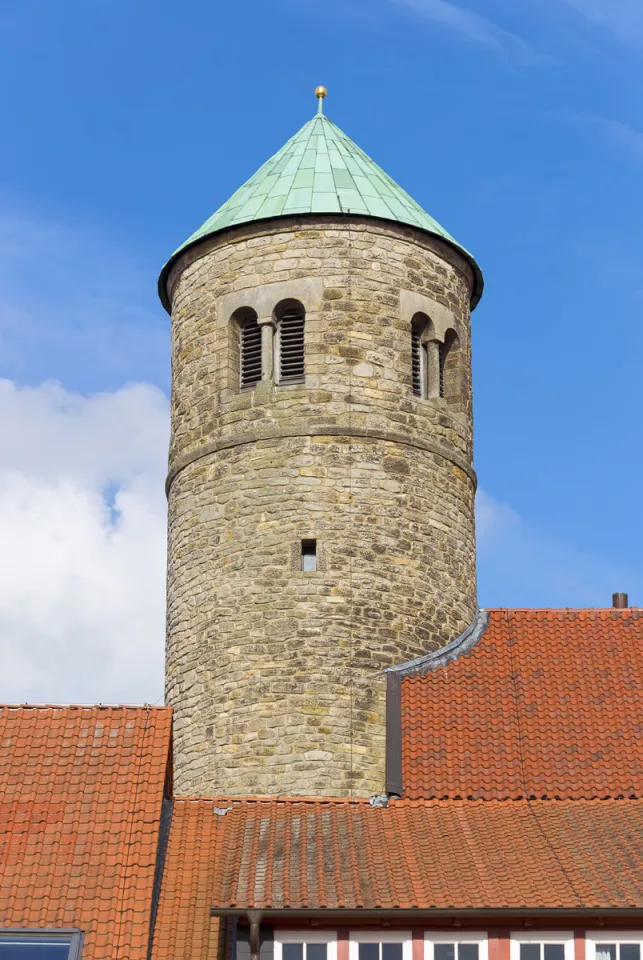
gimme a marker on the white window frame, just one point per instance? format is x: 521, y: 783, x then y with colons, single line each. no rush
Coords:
x: 593, y: 939
x: 306, y: 936
x: 564, y: 937
x: 481, y: 938
x: 405, y: 937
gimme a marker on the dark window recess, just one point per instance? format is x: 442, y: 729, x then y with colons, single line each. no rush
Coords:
x: 304, y: 951
x: 416, y: 348
x: 309, y: 555
x: 467, y: 951
x: 250, y: 353
x: 391, y: 951
x: 444, y: 951
x: 369, y: 951
x: 291, y: 347
x: 293, y: 951
x: 554, y: 951
x: 443, y: 360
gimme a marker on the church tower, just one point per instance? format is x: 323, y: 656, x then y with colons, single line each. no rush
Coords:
x: 321, y: 488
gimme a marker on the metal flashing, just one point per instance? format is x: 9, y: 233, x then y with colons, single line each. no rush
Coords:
x: 439, y: 658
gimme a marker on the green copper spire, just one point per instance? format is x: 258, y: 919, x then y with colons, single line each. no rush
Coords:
x: 320, y: 170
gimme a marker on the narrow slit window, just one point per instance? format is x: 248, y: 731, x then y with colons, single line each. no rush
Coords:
x: 422, y: 333
x: 250, y: 353
x: 292, y: 368
x: 309, y: 555
x: 443, y: 358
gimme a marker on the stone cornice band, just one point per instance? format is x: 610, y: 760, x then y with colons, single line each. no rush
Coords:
x: 228, y: 443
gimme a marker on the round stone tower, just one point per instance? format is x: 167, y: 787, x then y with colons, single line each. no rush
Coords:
x: 321, y: 489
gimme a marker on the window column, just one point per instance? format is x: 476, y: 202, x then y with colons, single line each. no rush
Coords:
x: 433, y: 363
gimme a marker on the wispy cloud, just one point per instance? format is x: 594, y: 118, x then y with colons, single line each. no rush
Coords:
x: 520, y: 566
x: 621, y: 134
x: 623, y: 18
x: 470, y: 25
x: 75, y: 306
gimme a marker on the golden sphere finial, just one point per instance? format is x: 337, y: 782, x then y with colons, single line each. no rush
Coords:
x: 321, y: 92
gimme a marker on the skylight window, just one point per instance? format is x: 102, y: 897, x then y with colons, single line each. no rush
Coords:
x: 25, y: 945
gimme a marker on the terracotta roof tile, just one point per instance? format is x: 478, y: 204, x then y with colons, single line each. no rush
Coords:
x: 81, y: 790
x: 459, y: 855
x: 545, y: 705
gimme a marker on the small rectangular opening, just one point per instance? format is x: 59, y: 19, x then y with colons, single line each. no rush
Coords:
x: 308, y: 555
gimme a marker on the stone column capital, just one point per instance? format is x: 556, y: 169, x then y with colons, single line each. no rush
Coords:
x: 266, y: 321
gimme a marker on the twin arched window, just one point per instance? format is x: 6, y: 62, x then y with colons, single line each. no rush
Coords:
x: 272, y: 349
x: 435, y: 363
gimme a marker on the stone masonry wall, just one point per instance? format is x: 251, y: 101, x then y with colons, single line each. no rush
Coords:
x: 275, y: 675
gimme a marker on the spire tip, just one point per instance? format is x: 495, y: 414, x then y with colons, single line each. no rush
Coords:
x: 320, y: 93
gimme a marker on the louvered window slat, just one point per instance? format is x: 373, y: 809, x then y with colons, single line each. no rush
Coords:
x: 417, y: 363
x: 443, y: 357
x: 291, y: 347
x: 250, y: 353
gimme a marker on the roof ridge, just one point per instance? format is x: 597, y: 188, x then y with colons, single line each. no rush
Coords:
x: 622, y: 611
x: 347, y: 801
x: 406, y: 801
x: 86, y: 706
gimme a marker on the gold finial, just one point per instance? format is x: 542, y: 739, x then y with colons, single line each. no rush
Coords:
x: 320, y: 93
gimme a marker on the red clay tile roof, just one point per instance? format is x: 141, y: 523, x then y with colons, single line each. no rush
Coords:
x: 81, y: 790
x: 547, y: 704
x: 415, y: 854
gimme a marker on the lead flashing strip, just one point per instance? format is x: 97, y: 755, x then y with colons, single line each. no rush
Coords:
x: 440, y: 658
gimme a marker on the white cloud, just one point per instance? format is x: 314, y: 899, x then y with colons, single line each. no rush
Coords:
x: 521, y: 566
x: 470, y: 25
x: 82, y: 528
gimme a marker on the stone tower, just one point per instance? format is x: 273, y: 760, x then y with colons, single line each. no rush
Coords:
x: 321, y: 489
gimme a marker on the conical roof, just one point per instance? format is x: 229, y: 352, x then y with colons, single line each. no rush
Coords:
x: 320, y: 170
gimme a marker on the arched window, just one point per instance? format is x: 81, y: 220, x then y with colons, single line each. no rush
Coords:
x: 250, y: 360
x: 424, y: 361
x: 419, y: 359
x: 450, y: 386
x: 291, y: 364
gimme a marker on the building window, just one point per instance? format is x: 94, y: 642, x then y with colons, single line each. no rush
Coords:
x: 309, y: 555
x: 450, y: 368
x: 250, y: 366
x: 290, y: 360
x: 542, y: 946
x: 40, y: 945
x: 615, y: 946
x: 464, y: 946
x: 378, y: 945
x: 305, y: 945
x: 425, y: 361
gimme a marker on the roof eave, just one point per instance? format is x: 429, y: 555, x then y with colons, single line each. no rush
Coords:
x: 428, y: 913
x: 478, y: 280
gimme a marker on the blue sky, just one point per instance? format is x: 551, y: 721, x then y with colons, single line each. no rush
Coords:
x: 518, y: 124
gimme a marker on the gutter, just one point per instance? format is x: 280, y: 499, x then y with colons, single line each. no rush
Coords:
x: 424, y: 913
